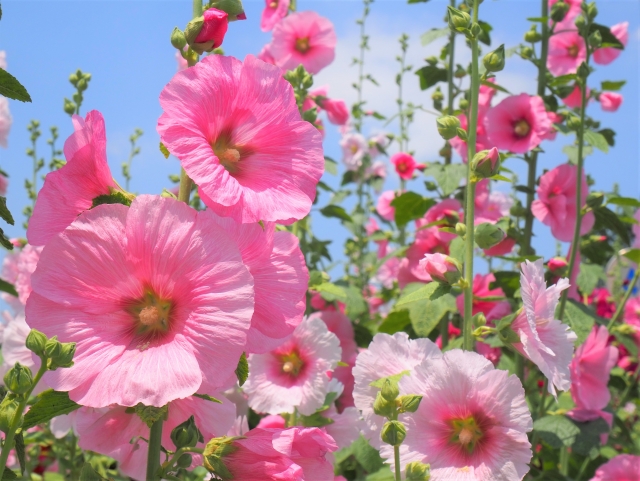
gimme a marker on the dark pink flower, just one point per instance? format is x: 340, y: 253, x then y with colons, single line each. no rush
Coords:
x: 482, y: 141
x: 502, y: 248
x: 606, y: 55
x: 405, y: 165
x: 213, y: 29
x: 624, y: 467
x: 603, y: 301
x: 490, y: 206
x: 337, y: 110
x: 610, y: 101
x: 384, y: 207
x: 480, y: 290
x: 274, y: 11
x: 574, y: 99
x: 567, y: 51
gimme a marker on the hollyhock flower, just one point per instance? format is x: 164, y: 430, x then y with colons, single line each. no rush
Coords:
x: 574, y: 99
x: 555, y: 119
x: 485, y: 95
x: 346, y: 427
x: 387, y: 356
x: 388, y: 272
x: 377, y: 143
x: 72, y: 189
x: 405, y: 165
x: 265, y: 55
x: 482, y: 140
x: 3, y: 60
x: 274, y: 11
x: 5, y: 121
x: 567, y: 51
x: 17, y: 268
x: 14, y: 349
x: 480, y: 290
x: 632, y: 312
x: 471, y: 423
x: 384, y: 207
x: 547, y: 342
x: 272, y: 421
x: 214, y: 28
x: 610, y: 101
x: 518, y: 124
x: 244, y: 145
x: 556, y: 205
x: 490, y: 206
x: 372, y: 226
x: 295, y: 374
x: 428, y: 241
x: 502, y: 248
x: 275, y: 455
x: 304, y: 38
x: 441, y: 268
x: 376, y: 169
x: 161, y: 310
x: 4, y: 183
x: 603, y: 301
x: 337, y: 110
x: 280, y: 280
x: 575, y: 7
x: 354, y: 148
x: 310, y: 101
x: 606, y: 55
x: 116, y: 433
x: 624, y: 467
x: 447, y: 212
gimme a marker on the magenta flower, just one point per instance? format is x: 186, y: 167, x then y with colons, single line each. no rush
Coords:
x: 295, y: 374
x: 405, y: 165
x: 244, y: 145
x: 116, y: 433
x: 160, y: 310
x: 567, y: 51
x: 518, y: 124
x: 624, y: 467
x: 214, y: 28
x: 471, y: 423
x: 5, y: 121
x: 304, y: 38
x: 556, y: 202
x: 337, y: 110
x: 481, y: 289
x: 606, y: 55
x: 574, y: 99
x: 610, y: 101
x: 482, y: 141
x: 71, y: 190
x: 384, y: 207
x: 441, y: 268
x: 502, y: 248
x: 547, y: 342
x: 274, y: 11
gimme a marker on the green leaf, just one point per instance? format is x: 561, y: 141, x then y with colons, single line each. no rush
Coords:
x: 431, y: 291
x: 206, y: 397
x: 626, y: 201
x: 431, y: 75
x: 609, y: 135
x: 367, y: 456
x: 607, y: 219
x: 589, y: 436
x: 612, y: 86
x: 355, y: 303
x: 556, y: 431
x: 494, y: 86
x: 588, y: 277
x: 485, y: 36
x: 410, y: 206
x: 4, y: 211
x: 632, y: 254
x: 379, y: 383
x: 572, y: 152
x: 19, y: 447
x: 337, y: 212
x: 4, y: 240
x: 151, y: 414
x: 11, y: 88
x: 164, y: 151
x: 8, y: 288
x: 608, y: 38
x: 597, y: 140
x: 448, y: 177
x: 426, y: 305
x: 508, y: 281
x: 242, y: 370
x: 580, y: 318
x: 9, y: 475
x: 384, y: 474
x: 456, y: 249
x: 330, y: 166
x: 331, y: 292
x: 48, y: 405
x: 395, y: 321
x: 433, y: 34
x: 88, y: 474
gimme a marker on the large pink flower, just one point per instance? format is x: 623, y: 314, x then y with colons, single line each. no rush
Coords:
x: 384, y: 207
x: 624, y: 467
x: 114, y: 432
x: 518, y: 124
x: 567, y: 51
x: 606, y: 55
x: 156, y: 296
x: 490, y: 206
x: 238, y: 133
x: 482, y: 140
x: 5, y: 121
x: 70, y: 190
x: 17, y: 268
x: 295, y: 374
x: 556, y: 202
x: 387, y: 356
x: 274, y: 11
x: 544, y: 340
x: 304, y: 38
x: 472, y: 421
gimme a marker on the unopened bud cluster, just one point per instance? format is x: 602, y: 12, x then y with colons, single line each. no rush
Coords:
x: 80, y: 81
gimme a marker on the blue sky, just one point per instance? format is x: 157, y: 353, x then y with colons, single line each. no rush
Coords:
x: 125, y: 45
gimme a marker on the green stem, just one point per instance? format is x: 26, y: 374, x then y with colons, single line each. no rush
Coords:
x: 452, y: 49
x: 170, y: 463
x: 467, y: 327
x: 583, y: 466
x: 627, y: 294
x: 396, y: 459
x: 541, y: 411
x: 16, y: 422
x: 519, y: 368
x: 153, y: 457
x: 564, y: 461
x: 444, y: 331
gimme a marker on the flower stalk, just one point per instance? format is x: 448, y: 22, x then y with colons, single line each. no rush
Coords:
x: 450, y: 76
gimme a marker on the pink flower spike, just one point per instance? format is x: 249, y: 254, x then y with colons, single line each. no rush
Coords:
x: 245, y: 145
x: 610, y: 101
x: 214, y: 28
x: 304, y: 38
x: 71, y: 190
x: 274, y: 11
x: 441, y: 268
x: 518, y: 124
x: 471, y: 424
x: 567, y: 51
x: 405, y: 165
x: 161, y: 308
x: 547, y: 342
x: 606, y: 55
x: 624, y: 467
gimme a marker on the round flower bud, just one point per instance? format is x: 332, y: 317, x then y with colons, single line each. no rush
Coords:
x: 558, y: 266
x: 36, y: 342
x: 65, y: 357
x: 417, y: 471
x: 486, y: 163
x: 461, y: 229
x: 186, y: 435
x: 458, y: 20
x: 595, y: 39
x: 526, y: 52
x: 178, y: 39
x: 487, y: 235
x: 441, y: 268
x: 532, y: 36
x: 389, y: 390
x: 494, y: 61
x: 448, y: 126
x: 18, y: 379
x: 409, y: 403
x: 558, y: 11
x: 384, y: 408
x: 393, y: 433
x: 185, y: 460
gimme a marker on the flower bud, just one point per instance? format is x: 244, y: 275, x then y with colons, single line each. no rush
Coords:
x: 207, y: 32
x: 186, y: 435
x: 592, y: 10
x: 389, y: 390
x: 69, y: 107
x: 476, y: 30
x: 461, y: 229
x: 393, y: 433
x: 384, y: 408
x: 178, y: 40
x: 486, y: 163
x: 8, y: 408
x: 234, y: 8
x: 458, y: 20
x: 441, y: 268
x: 479, y: 319
x: 487, y: 235
x: 595, y: 39
x: 53, y: 347
x: 409, y: 403
x: 494, y: 61
x: 36, y: 342
x: 18, y: 379
x: 460, y: 72
x: 532, y: 36
x: 65, y: 357
x: 185, y: 461
x: 526, y: 52
x: 558, y: 266
x: 448, y: 126
x: 432, y: 60
x: 437, y: 94
x: 580, y: 22
x: 417, y: 471
x: 573, y: 122
x: 559, y: 10
x: 463, y: 104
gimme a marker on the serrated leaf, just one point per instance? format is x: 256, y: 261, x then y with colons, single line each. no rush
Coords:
x: 556, y: 431
x: 431, y: 292
x: 48, y: 405
x: 337, y: 212
x: 4, y: 211
x: 612, y: 86
x: 11, y: 88
x: 367, y: 456
x: 242, y: 370
x: 206, y: 397
x: 330, y: 166
x: 448, y: 177
x: 588, y: 277
x: 8, y: 288
x: 433, y: 34
x: 355, y: 303
x: 625, y: 201
x: 607, y: 219
x: 395, y: 321
x: 410, y: 206
x: 580, y: 318
x: 572, y: 152
x: 596, y: 140
x: 589, y: 436
x: 164, y: 151
x: 19, y: 447
x: 431, y: 75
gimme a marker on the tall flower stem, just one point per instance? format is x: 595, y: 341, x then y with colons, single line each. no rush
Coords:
x: 396, y: 460
x: 403, y: 139
x: 626, y: 297
x: 467, y: 342
x: 450, y: 72
x: 155, y: 443
x: 533, y: 159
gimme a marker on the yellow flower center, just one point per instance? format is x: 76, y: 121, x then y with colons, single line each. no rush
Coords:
x: 302, y: 45
x: 273, y: 4
x: 228, y: 155
x: 573, y: 51
x: 151, y: 314
x: 465, y: 432
x: 292, y: 363
x: 522, y: 128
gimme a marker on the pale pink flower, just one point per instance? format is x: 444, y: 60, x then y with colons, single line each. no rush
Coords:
x: 610, y: 101
x: 567, y: 51
x: 472, y: 421
x: 304, y: 38
x: 17, y: 268
x: 294, y: 454
x: 606, y: 55
x: 405, y: 165
x: 354, y: 147
x: 384, y: 207
x: 372, y: 226
x: 3, y: 60
x: 244, y: 145
x: 388, y: 272
x: 14, y: 349
x: 159, y: 311
x: 5, y: 121
x: 556, y: 202
x: 295, y: 374
x: 574, y: 99
x: 490, y: 206
x: 441, y: 268
x: 387, y: 356
x: 624, y: 467
x: 274, y: 11
x: 280, y: 280
x: 481, y: 290
x: 346, y: 426
x: 71, y: 190
x: 546, y: 341
x: 116, y: 433
x: 377, y: 141
x: 4, y: 183
x: 181, y: 62
x: 214, y: 28
x: 377, y: 169
x: 518, y: 124
x: 265, y: 55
